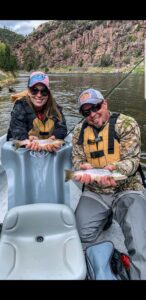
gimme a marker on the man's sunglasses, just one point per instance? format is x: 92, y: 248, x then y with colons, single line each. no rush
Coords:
x: 44, y: 92
x: 94, y: 108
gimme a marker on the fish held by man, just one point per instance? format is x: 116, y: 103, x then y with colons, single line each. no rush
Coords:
x: 95, y: 174
x: 42, y: 143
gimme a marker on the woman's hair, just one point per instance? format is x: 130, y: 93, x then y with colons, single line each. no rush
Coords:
x: 49, y: 108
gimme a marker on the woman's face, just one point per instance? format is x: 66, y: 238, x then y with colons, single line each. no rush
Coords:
x: 38, y: 95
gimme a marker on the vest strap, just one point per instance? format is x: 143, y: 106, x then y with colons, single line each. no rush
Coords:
x: 42, y: 133
x: 140, y: 170
x: 97, y: 154
x: 80, y: 140
x: 97, y: 139
x: 111, y: 135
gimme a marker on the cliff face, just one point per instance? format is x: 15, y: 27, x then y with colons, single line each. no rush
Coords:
x: 83, y: 44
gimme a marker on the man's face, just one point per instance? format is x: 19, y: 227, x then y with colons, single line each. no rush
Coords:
x: 98, y: 116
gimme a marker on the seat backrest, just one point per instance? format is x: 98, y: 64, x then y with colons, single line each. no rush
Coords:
x: 45, y: 219
x: 40, y: 241
x: 40, y: 177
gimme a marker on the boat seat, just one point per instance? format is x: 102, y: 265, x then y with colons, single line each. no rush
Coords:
x: 39, y: 175
x: 39, y: 242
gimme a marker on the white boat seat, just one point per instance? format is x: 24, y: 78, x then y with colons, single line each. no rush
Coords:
x: 40, y: 241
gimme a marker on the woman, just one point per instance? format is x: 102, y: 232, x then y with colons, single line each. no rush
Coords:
x: 36, y: 115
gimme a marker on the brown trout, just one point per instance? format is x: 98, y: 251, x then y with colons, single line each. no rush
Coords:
x: 42, y: 143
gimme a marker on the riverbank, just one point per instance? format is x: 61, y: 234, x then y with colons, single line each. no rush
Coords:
x: 6, y: 78
x: 100, y: 70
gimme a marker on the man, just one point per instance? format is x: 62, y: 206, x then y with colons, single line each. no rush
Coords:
x: 111, y: 141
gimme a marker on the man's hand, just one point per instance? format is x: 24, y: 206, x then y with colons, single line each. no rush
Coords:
x: 86, y: 178
x: 110, y: 167
x: 86, y: 166
x: 106, y: 181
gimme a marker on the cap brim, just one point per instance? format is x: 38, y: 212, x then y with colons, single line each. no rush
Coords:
x: 91, y: 101
x: 40, y: 83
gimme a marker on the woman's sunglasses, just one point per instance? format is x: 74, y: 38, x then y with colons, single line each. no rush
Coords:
x: 44, y: 92
x: 94, y: 108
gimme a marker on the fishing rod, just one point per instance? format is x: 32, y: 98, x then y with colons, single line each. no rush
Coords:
x: 112, y: 90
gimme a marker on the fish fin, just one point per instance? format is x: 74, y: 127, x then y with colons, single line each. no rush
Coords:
x: 122, y: 177
x: 69, y: 174
x: 97, y: 178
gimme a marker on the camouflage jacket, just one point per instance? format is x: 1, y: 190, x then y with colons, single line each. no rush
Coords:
x: 128, y: 132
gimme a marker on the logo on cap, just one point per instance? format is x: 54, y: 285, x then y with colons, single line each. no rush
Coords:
x: 85, y: 96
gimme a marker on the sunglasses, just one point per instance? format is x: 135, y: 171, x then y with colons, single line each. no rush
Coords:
x: 94, y: 108
x: 34, y: 91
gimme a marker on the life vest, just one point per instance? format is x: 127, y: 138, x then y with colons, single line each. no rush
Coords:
x: 19, y: 95
x: 42, y: 129
x: 101, y: 147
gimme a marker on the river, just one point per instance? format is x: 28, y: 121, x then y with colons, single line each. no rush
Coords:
x: 128, y: 98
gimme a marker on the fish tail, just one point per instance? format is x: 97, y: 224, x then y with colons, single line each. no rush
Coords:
x: 69, y: 174
x: 16, y: 145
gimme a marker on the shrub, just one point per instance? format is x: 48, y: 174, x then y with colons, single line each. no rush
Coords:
x: 106, y: 60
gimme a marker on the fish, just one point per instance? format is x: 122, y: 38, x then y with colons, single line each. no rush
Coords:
x: 52, y: 142
x: 17, y: 144
x: 95, y: 174
x: 42, y: 143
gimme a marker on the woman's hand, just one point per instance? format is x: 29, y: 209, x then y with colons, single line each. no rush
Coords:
x: 33, y: 146
x: 51, y: 148
x: 33, y: 137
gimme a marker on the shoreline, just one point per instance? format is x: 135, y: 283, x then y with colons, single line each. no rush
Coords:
x: 6, y: 78
x: 101, y: 70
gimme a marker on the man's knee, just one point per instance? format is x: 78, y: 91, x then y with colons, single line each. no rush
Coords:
x: 130, y: 203
x: 91, y: 217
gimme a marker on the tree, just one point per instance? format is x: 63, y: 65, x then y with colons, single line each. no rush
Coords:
x: 31, y: 58
x: 8, y: 61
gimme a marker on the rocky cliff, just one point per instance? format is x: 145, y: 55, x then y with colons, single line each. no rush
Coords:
x: 83, y: 44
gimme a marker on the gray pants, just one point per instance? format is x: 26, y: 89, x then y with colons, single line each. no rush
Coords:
x: 129, y: 209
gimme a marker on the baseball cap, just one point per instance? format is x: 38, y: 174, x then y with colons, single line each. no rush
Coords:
x: 90, y: 96
x: 38, y: 77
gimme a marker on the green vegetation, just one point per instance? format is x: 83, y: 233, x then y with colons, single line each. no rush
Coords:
x: 8, y: 61
x: 105, y: 70
x: 6, y: 78
x: 105, y: 60
x: 131, y: 38
x: 139, y: 70
x: 31, y: 58
x: 9, y: 37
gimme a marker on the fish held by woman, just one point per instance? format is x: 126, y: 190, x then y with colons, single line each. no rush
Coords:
x: 42, y: 143
x: 95, y: 174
